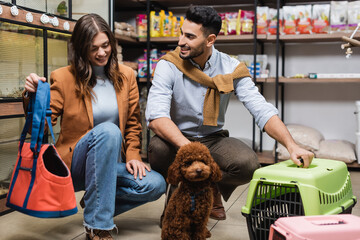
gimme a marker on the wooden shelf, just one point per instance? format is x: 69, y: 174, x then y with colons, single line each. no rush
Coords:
x: 125, y: 4
x: 299, y: 80
x: 21, y: 17
x: 220, y: 39
x: 141, y: 4
x: 266, y: 158
x: 127, y: 40
x: 245, y: 38
x: 325, y: 37
x: 160, y: 39
x: 310, y: 80
x: 249, y: 38
x: 144, y: 79
x: 11, y: 109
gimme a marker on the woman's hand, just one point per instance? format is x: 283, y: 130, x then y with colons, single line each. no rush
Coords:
x: 135, y: 166
x: 31, y: 82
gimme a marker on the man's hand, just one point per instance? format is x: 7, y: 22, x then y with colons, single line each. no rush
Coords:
x: 297, y: 153
x: 135, y: 166
x: 277, y: 130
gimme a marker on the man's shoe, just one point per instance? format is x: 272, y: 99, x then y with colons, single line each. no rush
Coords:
x: 218, y: 211
x: 96, y: 234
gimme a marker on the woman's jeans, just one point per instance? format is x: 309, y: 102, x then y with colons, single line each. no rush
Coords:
x: 110, y: 188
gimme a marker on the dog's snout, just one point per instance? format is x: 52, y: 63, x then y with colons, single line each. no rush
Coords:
x: 199, y: 170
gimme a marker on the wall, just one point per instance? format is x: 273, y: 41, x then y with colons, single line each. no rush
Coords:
x: 82, y: 7
x: 328, y: 107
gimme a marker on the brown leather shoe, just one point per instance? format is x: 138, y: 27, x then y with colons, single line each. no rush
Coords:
x: 96, y: 234
x: 218, y: 211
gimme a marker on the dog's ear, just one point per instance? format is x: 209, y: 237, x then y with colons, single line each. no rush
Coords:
x: 215, y: 171
x: 174, y: 176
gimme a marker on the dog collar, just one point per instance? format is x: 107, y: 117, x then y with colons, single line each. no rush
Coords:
x: 192, y: 199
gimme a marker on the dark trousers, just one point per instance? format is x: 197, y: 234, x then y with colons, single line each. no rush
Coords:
x: 236, y: 160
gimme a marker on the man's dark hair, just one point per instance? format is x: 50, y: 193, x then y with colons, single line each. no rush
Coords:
x: 207, y: 16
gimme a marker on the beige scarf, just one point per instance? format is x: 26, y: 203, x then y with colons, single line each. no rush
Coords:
x: 222, y: 83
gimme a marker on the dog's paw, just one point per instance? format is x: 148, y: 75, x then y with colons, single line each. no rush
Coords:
x: 208, y: 233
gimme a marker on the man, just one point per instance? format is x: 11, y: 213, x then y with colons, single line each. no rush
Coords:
x: 188, y: 99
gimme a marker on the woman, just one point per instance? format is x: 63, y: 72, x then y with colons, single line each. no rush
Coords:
x: 98, y: 102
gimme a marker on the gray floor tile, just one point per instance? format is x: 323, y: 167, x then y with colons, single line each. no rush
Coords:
x: 139, y: 223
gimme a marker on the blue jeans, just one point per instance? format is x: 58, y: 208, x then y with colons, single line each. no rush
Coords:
x: 110, y: 188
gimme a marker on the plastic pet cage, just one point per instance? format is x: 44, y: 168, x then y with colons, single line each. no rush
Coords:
x: 324, y: 227
x: 283, y: 190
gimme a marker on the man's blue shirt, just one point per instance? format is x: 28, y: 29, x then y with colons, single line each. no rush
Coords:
x: 175, y: 96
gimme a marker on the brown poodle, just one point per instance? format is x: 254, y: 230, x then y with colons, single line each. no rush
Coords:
x: 189, y: 207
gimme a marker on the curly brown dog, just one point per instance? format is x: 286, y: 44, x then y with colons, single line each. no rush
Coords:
x: 189, y: 207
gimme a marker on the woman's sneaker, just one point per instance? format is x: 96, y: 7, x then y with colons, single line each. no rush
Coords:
x: 94, y: 234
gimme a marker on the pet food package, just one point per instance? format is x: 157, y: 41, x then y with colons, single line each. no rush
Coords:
x: 353, y: 15
x: 223, y: 30
x: 273, y: 18
x: 142, y: 67
x: 338, y: 16
x: 155, y: 24
x: 304, y: 15
x: 290, y: 19
x: 262, y: 14
x: 166, y: 23
x: 247, y: 22
x: 141, y: 25
x: 176, y: 25
x: 320, y: 18
x: 231, y: 22
x: 238, y: 23
x: 248, y: 60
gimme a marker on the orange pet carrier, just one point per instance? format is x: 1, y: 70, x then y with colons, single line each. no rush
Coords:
x: 41, y: 183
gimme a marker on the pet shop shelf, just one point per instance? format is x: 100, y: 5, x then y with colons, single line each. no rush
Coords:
x: 284, y: 190
x: 324, y: 227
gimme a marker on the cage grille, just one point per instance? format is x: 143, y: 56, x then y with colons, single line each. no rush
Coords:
x: 272, y: 201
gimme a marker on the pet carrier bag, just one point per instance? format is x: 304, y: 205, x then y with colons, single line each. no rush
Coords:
x: 325, y: 227
x: 41, y: 183
x: 283, y: 189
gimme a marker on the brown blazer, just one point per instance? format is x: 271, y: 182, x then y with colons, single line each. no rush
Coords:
x: 77, y: 117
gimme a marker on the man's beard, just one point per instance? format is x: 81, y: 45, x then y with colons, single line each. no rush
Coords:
x: 193, y: 53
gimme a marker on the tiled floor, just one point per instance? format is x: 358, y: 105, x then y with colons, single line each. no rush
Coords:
x: 140, y: 223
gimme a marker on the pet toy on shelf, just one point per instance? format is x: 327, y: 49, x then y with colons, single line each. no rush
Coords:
x: 350, y: 42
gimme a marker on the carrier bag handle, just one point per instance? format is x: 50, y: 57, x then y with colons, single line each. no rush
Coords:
x: 38, y: 112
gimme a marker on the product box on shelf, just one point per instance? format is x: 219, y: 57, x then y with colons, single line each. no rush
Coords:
x: 141, y: 25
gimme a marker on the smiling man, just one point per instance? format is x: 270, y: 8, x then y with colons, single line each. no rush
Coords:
x: 188, y: 100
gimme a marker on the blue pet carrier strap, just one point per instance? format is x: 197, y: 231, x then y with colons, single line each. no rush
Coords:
x: 42, y: 99
x: 48, y: 118
x: 39, y: 112
x: 25, y: 130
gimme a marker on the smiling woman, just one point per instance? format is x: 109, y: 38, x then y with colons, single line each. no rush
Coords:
x: 100, y: 50
x: 98, y: 102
